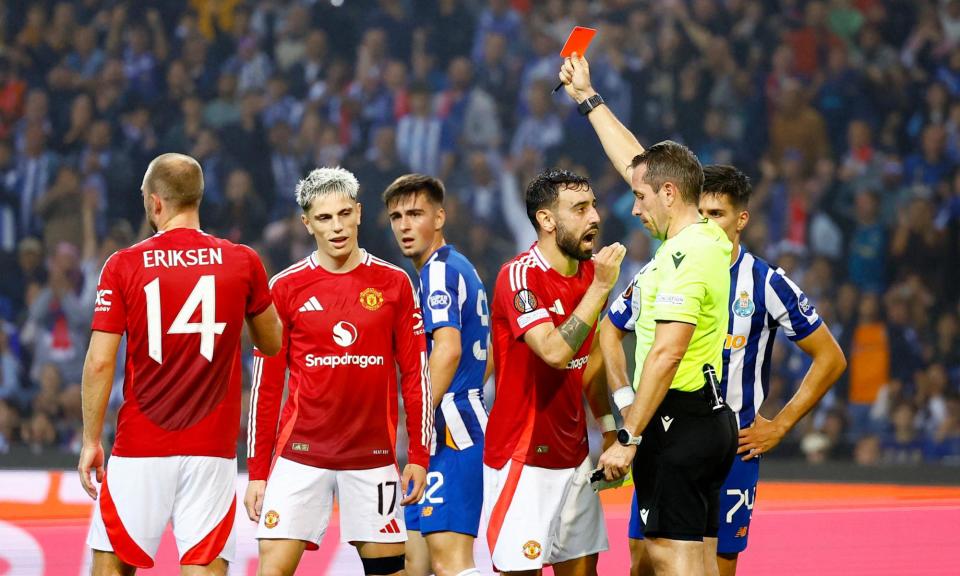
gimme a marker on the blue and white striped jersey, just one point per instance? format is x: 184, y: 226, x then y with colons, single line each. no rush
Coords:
x: 452, y: 294
x: 762, y: 299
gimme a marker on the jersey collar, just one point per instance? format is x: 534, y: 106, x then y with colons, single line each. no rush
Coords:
x: 739, y: 257
x: 436, y: 253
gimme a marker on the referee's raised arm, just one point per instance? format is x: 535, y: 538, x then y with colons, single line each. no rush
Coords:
x: 679, y: 438
x: 620, y: 145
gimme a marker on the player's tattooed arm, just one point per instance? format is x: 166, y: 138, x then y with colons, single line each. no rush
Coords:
x: 574, y: 332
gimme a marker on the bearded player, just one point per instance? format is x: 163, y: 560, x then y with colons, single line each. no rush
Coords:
x: 537, y: 490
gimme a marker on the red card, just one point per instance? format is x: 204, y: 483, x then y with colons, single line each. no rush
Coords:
x: 578, y: 41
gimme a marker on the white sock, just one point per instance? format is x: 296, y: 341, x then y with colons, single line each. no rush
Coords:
x: 470, y: 572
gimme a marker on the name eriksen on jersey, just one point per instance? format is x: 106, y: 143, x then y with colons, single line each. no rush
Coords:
x: 182, y: 258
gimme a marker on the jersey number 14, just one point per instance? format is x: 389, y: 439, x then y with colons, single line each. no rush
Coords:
x: 203, y: 296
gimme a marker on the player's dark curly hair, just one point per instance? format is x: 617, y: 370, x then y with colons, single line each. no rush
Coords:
x: 543, y: 191
x: 728, y: 181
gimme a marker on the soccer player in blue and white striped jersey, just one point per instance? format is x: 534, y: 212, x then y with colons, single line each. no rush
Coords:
x: 444, y: 524
x: 762, y: 300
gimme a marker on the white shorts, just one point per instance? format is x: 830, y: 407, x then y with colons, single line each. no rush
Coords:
x: 139, y: 496
x: 541, y: 516
x: 299, y: 499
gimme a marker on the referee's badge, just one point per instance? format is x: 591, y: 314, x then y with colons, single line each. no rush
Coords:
x: 743, y: 306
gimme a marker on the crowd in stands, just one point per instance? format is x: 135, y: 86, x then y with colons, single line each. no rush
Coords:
x: 845, y: 114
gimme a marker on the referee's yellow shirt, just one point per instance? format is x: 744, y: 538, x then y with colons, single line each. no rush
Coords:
x: 687, y: 281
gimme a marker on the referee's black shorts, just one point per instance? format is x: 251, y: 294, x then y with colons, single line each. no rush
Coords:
x: 681, y: 463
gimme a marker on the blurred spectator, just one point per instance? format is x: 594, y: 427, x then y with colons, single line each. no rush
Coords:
x: 943, y: 445
x: 10, y: 386
x: 541, y: 130
x: 307, y: 72
x: 796, y: 126
x: 424, y: 141
x: 107, y: 170
x: 450, y: 15
x: 223, y: 110
x: 930, y: 165
x: 470, y: 112
x: 216, y: 165
x: 497, y: 18
x: 285, y: 165
x: 869, y: 363
x: 243, y: 214
x: 868, y: 245
x: 250, y: 65
x: 812, y: 41
x: 9, y: 426
x: 57, y: 326
x: 903, y: 445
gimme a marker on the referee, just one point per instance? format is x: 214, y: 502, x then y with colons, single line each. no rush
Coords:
x: 678, y: 435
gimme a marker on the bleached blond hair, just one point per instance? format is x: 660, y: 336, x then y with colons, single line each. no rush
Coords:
x: 324, y: 181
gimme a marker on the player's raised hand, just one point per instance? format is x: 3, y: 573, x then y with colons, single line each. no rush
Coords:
x: 91, y: 459
x: 606, y: 265
x: 253, y: 499
x: 418, y: 475
x: 575, y: 77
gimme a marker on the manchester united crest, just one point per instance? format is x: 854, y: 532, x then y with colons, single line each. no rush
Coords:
x: 371, y: 299
x: 532, y: 549
x: 272, y: 519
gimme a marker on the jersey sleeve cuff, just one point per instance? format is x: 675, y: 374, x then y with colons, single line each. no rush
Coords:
x: 256, y: 471
x: 418, y: 458
x: 447, y: 324
x: 259, y: 309
x: 807, y: 330
x: 677, y: 317
x: 107, y: 327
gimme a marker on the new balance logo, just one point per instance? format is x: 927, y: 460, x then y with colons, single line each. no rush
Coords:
x: 391, y: 528
x: 311, y: 305
x: 667, y: 421
x: 557, y: 307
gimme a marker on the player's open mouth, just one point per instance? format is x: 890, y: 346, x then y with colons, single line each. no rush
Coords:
x: 591, y: 236
x: 407, y: 241
x: 339, y: 241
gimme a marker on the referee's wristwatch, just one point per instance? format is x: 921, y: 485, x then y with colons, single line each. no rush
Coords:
x: 625, y: 438
x: 589, y: 104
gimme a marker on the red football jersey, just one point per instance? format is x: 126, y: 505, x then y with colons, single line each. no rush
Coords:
x: 344, y: 335
x: 538, y: 416
x: 181, y: 296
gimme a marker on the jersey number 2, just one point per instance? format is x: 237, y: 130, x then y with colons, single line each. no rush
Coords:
x: 203, y: 296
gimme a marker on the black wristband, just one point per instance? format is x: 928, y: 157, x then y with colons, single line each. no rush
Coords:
x: 589, y: 104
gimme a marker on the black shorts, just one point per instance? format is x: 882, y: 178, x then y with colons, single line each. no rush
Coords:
x: 686, y: 453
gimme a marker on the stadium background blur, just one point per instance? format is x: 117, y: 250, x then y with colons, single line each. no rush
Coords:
x: 845, y: 113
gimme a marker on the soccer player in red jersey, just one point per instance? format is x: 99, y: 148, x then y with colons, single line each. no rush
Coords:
x: 181, y: 297
x: 537, y: 491
x: 349, y: 321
